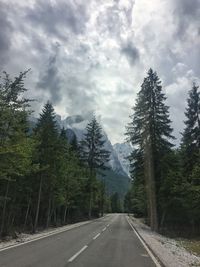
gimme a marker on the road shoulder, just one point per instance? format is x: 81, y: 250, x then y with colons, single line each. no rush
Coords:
x: 167, y: 250
x: 27, y: 238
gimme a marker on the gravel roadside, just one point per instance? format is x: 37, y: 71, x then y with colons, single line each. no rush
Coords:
x: 168, y: 250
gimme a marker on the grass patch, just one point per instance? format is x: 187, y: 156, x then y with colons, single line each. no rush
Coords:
x: 192, y: 245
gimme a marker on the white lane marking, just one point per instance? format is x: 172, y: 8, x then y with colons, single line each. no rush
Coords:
x: 145, y: 246
x: 108, y: 225
x: 77, y: 254
x: 104, y: 229
x: 70, y: 227
x: 95, y: 237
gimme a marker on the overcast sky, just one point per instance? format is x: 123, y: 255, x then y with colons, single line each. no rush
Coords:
x: 89, y: 55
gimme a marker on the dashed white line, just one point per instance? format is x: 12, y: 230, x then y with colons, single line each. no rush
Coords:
x: 44, y: 235
x: 108, y: 225
x: 95, y: 237
x: 144, y: 255
x: 77, y: 254
x: 104, y: 229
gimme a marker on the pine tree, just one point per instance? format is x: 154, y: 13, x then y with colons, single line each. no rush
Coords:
x: 190, y: 151
x: 15, y: 148
x: 93, y: 153
x: 92, y: 147
x: 68, y: 184
x: 47, y: 156
x: 150, y: 131
x: 191, y: 135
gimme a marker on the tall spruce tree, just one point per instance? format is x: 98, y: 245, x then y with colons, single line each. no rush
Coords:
x: 93, y: 153
x: 150, y: 131
x: 191, y: 135
x: 47, y: 156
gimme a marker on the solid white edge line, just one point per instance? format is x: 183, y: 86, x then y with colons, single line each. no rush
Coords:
x: 104, y: 229
x: 95, y: 237
x: 77, y: 254
x: 69, y: 227
x: 46, y: 235
x: 145, y: 246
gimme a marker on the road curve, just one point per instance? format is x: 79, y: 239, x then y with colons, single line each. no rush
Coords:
x: 106, y: 242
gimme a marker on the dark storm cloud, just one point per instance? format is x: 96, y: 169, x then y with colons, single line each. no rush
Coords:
x: 188, y: 8
x: 186, y: 12
x: 55, y: 18
x: 131, y: 52
x: 70, y: 84
x: 94, y: 38
x: 6, y: 31
x: 51, y: 80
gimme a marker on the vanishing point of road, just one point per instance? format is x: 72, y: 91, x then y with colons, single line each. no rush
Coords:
x: 106, y: 242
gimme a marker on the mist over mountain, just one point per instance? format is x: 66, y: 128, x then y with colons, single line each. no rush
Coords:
x: 123, y: 151
x: 116, y: 178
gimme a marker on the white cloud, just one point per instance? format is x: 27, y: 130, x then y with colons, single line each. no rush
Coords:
x: 102, y: 51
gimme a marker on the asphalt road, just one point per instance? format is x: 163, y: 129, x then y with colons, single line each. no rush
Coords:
x: 106, y: 242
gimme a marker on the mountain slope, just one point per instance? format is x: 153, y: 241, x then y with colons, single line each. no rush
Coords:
x: 116, y: 182
x: 116, y: 178
x: 123, y: 150
x: 77, y: 124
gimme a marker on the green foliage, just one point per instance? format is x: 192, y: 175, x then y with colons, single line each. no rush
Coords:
x: 42, y: 178
x: 45, y: 180
x: 149, y: 131
x: 92, y: 147
x: 15, y: 144
x: 115, y: 182
x: 191, y: 135
x: 116, y: 205
x: 176, y: 171
x: 94, y: 157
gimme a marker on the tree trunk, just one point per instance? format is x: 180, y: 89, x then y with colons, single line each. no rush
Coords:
x: 162, y: 221
x: 48, y: 212
x: 90, y: 205
x: 90, y: 200
x: 38, y: 205
x: 4, y: 209
x: 55, y: 216
x: 151, y: 186
x: 27, y: 212
x: 67, y: 216
x: 102, y: 198
x: 65, y: 213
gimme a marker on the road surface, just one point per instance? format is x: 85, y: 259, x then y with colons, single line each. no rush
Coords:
x: 107, y: 242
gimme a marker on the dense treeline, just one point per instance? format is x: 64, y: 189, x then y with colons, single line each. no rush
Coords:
x: 44, y: 178
x: 166, y: 180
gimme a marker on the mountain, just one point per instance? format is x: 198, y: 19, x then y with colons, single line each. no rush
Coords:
x: 78, y: 123
x: 116, y: 178
x: 115, y: 182
x: 123, y: 150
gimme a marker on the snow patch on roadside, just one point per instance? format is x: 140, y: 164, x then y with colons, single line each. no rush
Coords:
x: 167, y: 249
